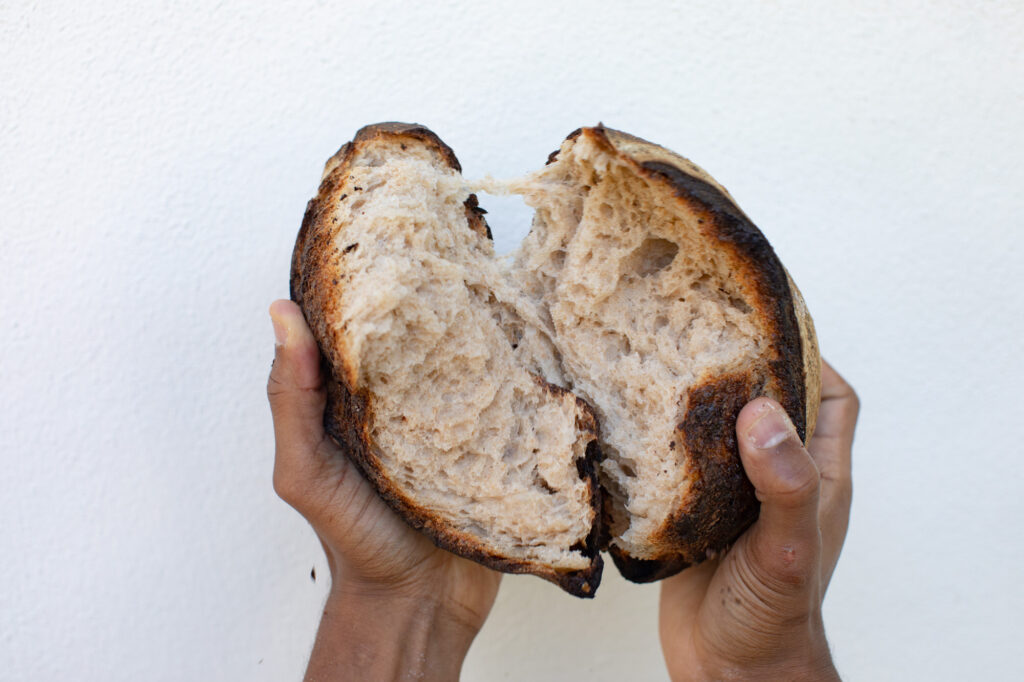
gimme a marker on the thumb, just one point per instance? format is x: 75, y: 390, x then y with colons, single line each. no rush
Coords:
x: 785, y: 541
x: 297, y: 400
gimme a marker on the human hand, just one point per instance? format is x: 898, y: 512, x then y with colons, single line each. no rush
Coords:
x: 755, y: 612
x: 399, y: 606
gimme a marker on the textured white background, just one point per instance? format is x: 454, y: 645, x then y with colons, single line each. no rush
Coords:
x: 155, y: 161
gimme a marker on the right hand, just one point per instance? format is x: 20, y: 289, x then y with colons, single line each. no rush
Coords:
x: 755, y: 612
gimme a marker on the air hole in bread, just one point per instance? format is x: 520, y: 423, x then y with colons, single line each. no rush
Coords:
x: 740, y: 305
x: 616, y: 345
x: 543, y: 484
x: 654, y: 255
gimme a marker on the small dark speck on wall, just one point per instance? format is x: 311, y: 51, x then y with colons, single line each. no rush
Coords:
x: 312, y: 574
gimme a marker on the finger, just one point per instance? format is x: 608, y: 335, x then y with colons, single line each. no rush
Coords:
x: 831, y: 449
x: 784, y: 542
x: 297, y: 400
x: 837, y: 418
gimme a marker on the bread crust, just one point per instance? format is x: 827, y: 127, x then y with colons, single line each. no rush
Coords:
x: 316, y: 279
x: 720, y: 503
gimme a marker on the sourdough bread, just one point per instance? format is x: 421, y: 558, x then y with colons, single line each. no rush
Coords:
x: 580, y: 395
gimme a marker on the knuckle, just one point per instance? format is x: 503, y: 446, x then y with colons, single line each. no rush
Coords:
x: 854, y: 403
x: 807, y: 488
x: 286, y: 486
x: 791, y: 565
x: 275, y: 386
x: 799, y: 491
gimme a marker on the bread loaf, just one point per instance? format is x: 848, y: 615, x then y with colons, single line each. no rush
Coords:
x: 578, y: 396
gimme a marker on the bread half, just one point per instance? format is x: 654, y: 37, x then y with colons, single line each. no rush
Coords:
x: 581, y: 395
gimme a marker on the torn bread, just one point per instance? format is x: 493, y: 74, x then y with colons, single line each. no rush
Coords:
x: 580, y: 395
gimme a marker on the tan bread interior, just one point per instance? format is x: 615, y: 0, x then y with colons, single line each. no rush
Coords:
x: 612, y: 295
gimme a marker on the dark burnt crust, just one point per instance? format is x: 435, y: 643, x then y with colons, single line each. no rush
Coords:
x: 310, y: 220
x: 597, y: 540
x: 348, y: 413
x: 645, y: 570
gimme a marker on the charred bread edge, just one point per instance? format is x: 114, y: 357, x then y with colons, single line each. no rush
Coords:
x: 722, y: 503
x: 349, y: 412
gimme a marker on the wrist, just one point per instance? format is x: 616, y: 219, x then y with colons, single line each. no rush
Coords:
x: 806, y: 667
x: 370, y: 632
x: 792, y: 673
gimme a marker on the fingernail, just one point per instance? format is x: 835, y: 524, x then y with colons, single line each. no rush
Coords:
x: 280, y: 331
x: 771, y: 428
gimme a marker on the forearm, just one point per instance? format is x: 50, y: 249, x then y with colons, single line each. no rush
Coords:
x: 375, y: 637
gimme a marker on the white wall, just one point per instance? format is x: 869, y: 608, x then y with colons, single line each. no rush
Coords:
x: 154, y: 166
